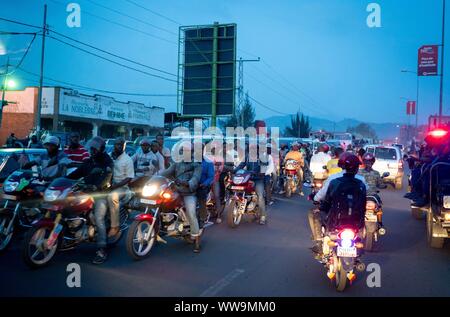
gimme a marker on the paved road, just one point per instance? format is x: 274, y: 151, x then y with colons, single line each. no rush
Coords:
x: 252, y: 260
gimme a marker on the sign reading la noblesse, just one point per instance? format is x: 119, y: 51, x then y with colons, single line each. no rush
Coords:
x: 103, y: 108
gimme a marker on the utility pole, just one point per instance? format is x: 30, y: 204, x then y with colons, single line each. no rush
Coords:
x: 5, y: 82
x: 241, y: 85
x: 442, y: 62
x: 41, y: 78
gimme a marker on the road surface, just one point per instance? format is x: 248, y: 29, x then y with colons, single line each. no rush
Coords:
x: 252, y: 260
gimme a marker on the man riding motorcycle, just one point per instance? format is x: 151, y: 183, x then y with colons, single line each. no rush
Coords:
x: 187, y: 175
x: 318, y: 161
x: 97, y: 172
x: 372, y: 177
x: 344, y: 202
x: 332, y: 165
x: 146, y: 162
x: 55, y: 164
x: 296, y: 155
x: 75, y: 151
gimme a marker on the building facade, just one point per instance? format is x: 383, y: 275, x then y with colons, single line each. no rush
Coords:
x: 66, y: 110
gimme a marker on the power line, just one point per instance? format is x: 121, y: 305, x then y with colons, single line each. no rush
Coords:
x: 111, y: 61
x: 20, y: 23
x: 121, y: 25
x: 115, y: 55
x: 132, y: 17
x: 154, y: 12
x: 96, y: 89
x: 267, y: 107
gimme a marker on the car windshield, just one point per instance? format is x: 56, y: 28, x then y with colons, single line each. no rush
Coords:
x: 385, y: 153
x: 8, y: 165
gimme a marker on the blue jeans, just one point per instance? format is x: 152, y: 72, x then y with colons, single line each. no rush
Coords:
x: 190, y: 205
x: 101, y: 208
x: 259, y: 188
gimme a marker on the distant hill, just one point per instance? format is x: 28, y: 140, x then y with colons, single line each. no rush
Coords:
x: 383, y: 130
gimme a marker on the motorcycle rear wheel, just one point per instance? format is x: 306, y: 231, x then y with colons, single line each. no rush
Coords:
x: 233, y: 217
x: 288, y: 189
x: 135, y: 242
x: 368, y: 243
x: 5, y: 239
x: 36, y: 235
x: 341, y: 277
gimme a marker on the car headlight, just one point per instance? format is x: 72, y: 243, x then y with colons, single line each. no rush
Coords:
x: 51, y: 195
x: 149, y: 190
x: 10, y: 186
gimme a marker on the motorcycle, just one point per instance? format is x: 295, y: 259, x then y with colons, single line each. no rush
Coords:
x: 68, y: 222
x: 373, y: 220
x: 341, y: 255
x: 241, y: 198
x: 22, y: 192
x: 292, y: 180
x: 164, y: 215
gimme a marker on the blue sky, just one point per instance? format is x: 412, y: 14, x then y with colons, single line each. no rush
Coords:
x: 318, y: 56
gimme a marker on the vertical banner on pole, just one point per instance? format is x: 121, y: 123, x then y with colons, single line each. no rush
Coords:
x: 427, y: 64
x: 411, y: 108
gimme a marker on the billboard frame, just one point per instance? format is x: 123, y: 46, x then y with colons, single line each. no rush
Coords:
x: 181, y: 68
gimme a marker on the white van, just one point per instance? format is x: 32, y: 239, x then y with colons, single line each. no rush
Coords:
x: 388, y: 159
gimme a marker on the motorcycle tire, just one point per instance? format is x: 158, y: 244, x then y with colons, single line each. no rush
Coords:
x: 232, y: 221
x: 5, y: 240
x: 288, y: 190
x: 416, y: 213
x: 341, y: 277
x: 27, y: 255
x: 132, y: 252
x: 368, y: 243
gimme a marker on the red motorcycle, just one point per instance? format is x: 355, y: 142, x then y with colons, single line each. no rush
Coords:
x: 291, y: 180
x: 241, y: 198
x: 68, y: 221
x: 164, y: 215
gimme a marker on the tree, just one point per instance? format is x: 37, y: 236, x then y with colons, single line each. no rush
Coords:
x: 247, y: 113
x: 299, y: 128
x: 364, y: 130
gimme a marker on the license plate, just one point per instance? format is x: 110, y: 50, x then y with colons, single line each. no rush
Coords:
x: 9, y: 197
x: 148, y: 201
x: 370, y: 217
x: 447, y: 202
x: 242, y: 206
x: 346, y: 252
x: 237, y: 187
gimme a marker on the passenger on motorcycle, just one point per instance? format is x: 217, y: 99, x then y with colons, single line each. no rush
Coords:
x: 253, y: 164
x: 187, y: 174
x: 97, y: 172
x: 333, y: 164
x: 344, y: 202
x: 318, y: 161
x: 75, y: 151
x: 55, y: 164
x: 146, y: 162
x: 296, y: 155
x: 372, y: 177
x: 123, y: 174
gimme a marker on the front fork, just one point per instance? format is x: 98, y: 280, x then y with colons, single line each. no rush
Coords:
x: 13, y: 218
x: 55, y: 232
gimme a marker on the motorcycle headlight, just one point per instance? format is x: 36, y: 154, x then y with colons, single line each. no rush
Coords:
x: 447, y: 202
x: 238, y: 180
x: 447, y: 217
x: 149, y: 190
x: 51, y: 195
x: 10, y: 186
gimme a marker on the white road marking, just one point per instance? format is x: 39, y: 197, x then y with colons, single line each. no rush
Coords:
x: 222, y: 283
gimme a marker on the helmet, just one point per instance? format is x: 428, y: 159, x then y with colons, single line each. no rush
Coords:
x: 349, y: 162
x: 52, y: 140
x: 145, y: 141
x: 368, y: 157
x: 97, y: 143
x: 295, y: 143
x: 74, y: 134
x: 324, y: 148
x: 338, y: 151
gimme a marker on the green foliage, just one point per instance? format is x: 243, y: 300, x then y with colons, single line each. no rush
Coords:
x: 364, y: 130
x: 299, y: 128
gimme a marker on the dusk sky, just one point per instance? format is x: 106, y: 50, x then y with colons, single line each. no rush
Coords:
x: 317, y: 56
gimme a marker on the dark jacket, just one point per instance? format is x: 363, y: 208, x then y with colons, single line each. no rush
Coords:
x: 183, y: 171
x: 253, y: 167
x: 97, y: 172
x: 345, y: 202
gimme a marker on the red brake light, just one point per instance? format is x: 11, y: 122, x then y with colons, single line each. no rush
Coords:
x: 347, y: 234
x: 439, y: 133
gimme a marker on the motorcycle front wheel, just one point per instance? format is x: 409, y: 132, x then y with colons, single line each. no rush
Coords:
x: 141, y: 238
x: 233, y: 215
x: 5, y: 237
x: 34, y: 252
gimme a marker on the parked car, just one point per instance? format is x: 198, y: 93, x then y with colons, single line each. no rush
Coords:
x: 11, y: 159
x: 388, y: 159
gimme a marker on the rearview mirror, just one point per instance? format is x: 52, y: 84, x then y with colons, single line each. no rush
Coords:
x: 386, y: 174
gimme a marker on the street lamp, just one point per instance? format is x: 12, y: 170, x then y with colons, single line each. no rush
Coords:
x: 417, y: 93
x: 10, y: 84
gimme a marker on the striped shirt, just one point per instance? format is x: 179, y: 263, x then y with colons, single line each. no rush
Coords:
x: 78, y: 154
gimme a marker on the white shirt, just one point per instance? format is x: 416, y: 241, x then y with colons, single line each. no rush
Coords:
x: 318, y: 161
x: 270, y: 168
x: 123, y: 168
x: 141, y: 159
x: 323, y: 191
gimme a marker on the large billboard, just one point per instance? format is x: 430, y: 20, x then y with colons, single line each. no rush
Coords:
x: 207, y: 70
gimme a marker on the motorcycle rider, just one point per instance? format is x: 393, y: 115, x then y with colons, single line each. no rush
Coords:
x: 344, y: 202
x: 253, y: 164
x: 35, y: 143
x: 75, y: 151
x: 123, y: 174
x: 187, y: 174
x: 146, y: 162
x: 97, y: 172
x: 55, y: 164
x: 332, y: 165
x: 296, y: 155
x: 372, y: 177
x: 318, y: 161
